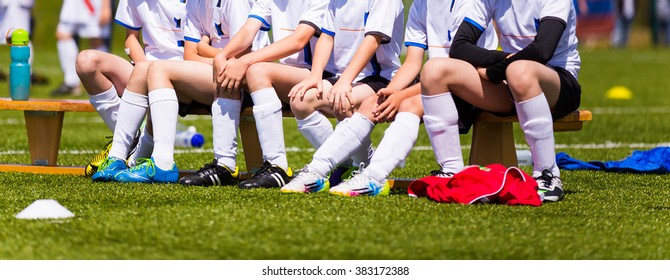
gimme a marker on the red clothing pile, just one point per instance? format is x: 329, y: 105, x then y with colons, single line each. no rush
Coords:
x: 488, y: 184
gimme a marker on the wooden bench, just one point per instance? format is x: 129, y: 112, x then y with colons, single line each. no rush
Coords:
x: 44, y: 123
x: 492, y: 136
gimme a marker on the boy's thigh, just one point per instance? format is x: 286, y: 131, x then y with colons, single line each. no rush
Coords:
x: 284, y: 77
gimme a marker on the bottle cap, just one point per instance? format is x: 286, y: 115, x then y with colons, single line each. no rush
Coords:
x: 20, y: 37
x: 197, y: 140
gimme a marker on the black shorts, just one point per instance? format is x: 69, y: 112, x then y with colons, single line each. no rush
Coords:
x: 569, y: 96
x: 193, y: 106
x: 375, y: 82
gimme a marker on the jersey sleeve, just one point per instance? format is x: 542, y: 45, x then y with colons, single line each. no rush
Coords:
x: 329, y: 20
x: 415, y: 31
x: 381, y: 16
x: 262, y: 11
x: 126, y: 15
x: 478, y: 14
x: 314, y: 15
x: 557, y: 9
x: 238, y: 14
x: 193, y: 28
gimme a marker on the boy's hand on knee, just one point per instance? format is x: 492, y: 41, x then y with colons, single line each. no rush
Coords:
x: 301, y: 88
x: 341, y: 100
x: 387, y: 105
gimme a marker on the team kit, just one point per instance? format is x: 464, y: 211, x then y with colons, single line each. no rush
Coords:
x: 330, y: 59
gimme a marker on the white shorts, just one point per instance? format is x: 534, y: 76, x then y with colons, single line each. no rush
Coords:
x: 13, y: 17
x: 84, y: 30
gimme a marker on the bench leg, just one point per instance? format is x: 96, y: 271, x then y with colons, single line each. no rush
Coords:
x: 44, y: 131
x: 253, y: 155
x: 492, y: 142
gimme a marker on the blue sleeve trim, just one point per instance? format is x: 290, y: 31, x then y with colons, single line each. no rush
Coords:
x: 266, y: 26
x: 127, y: 26
x: 473, y: 23
x: 412, y: 44
x: 191, y: 39
x: 180, y: 43
x: 330, y: 33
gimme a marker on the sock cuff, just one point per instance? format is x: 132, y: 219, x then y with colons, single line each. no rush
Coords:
x: 361, y: 121
x: 439, y: 105
x: 264, y: 96
x: 162, y: 94
x: 135, y: 99
x: 225, y: 105
x: 105, y: 96
x: 312, y: 119
x: 407, y: 118
x: 541, y: 95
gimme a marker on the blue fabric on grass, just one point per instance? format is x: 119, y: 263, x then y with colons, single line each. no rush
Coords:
x: 654, y: 161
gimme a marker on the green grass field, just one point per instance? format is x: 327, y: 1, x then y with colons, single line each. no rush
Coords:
x: 603, y: 216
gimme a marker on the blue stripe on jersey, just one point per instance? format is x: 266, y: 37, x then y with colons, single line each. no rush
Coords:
x: 219, y: 31
x: 218, y: 4
x: 191, y: 39
x: 412, y: 44
x: 365, y: 18
x: 451, y: 9
x: 177, y: 22
x: 537, y: 23
x: 266, y: 26
x: 449, y: 35
x: 127, y: 26
x: 474, y: 23
x: 183, y: 1
x: 376, y: 67
x: 308, y: 53
x: 330, y: 33
x: 180, y: 43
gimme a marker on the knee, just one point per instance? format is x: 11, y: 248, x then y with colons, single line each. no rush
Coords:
x: 88, y: 61
x: 302, y: 108
x: 412, y: 105
x: 434, y: 74
x: 520, y: 76
x: 256, y: 73
x: 156, y: 68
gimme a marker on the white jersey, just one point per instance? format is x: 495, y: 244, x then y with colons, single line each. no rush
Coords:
x: 160, y: 22
x: 283, y: 16
x: 518, y: 21
x: 432, y: 25
x: 350, y: 21
x: 14, y: 14
x: 80, y: 11
x: 220, y: 20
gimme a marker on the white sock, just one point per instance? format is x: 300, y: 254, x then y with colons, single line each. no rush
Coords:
x: 145, y: 146
x: 316, y: 128
x: 132, y: 110
x: 363, y: 154
x: 107, y: 104
x: 225, y: 122
x: 399, y: 138
x: 269, y: 123
x: 538, y: 127
x: 441, y: 121
x: 348, y: 136
x: 164, y: 109
x: 67, y: 53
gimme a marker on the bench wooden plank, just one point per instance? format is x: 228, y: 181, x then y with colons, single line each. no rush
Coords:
x: 47, y: 105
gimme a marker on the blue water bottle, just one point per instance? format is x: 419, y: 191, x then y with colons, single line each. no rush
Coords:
x: 19, y: 70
